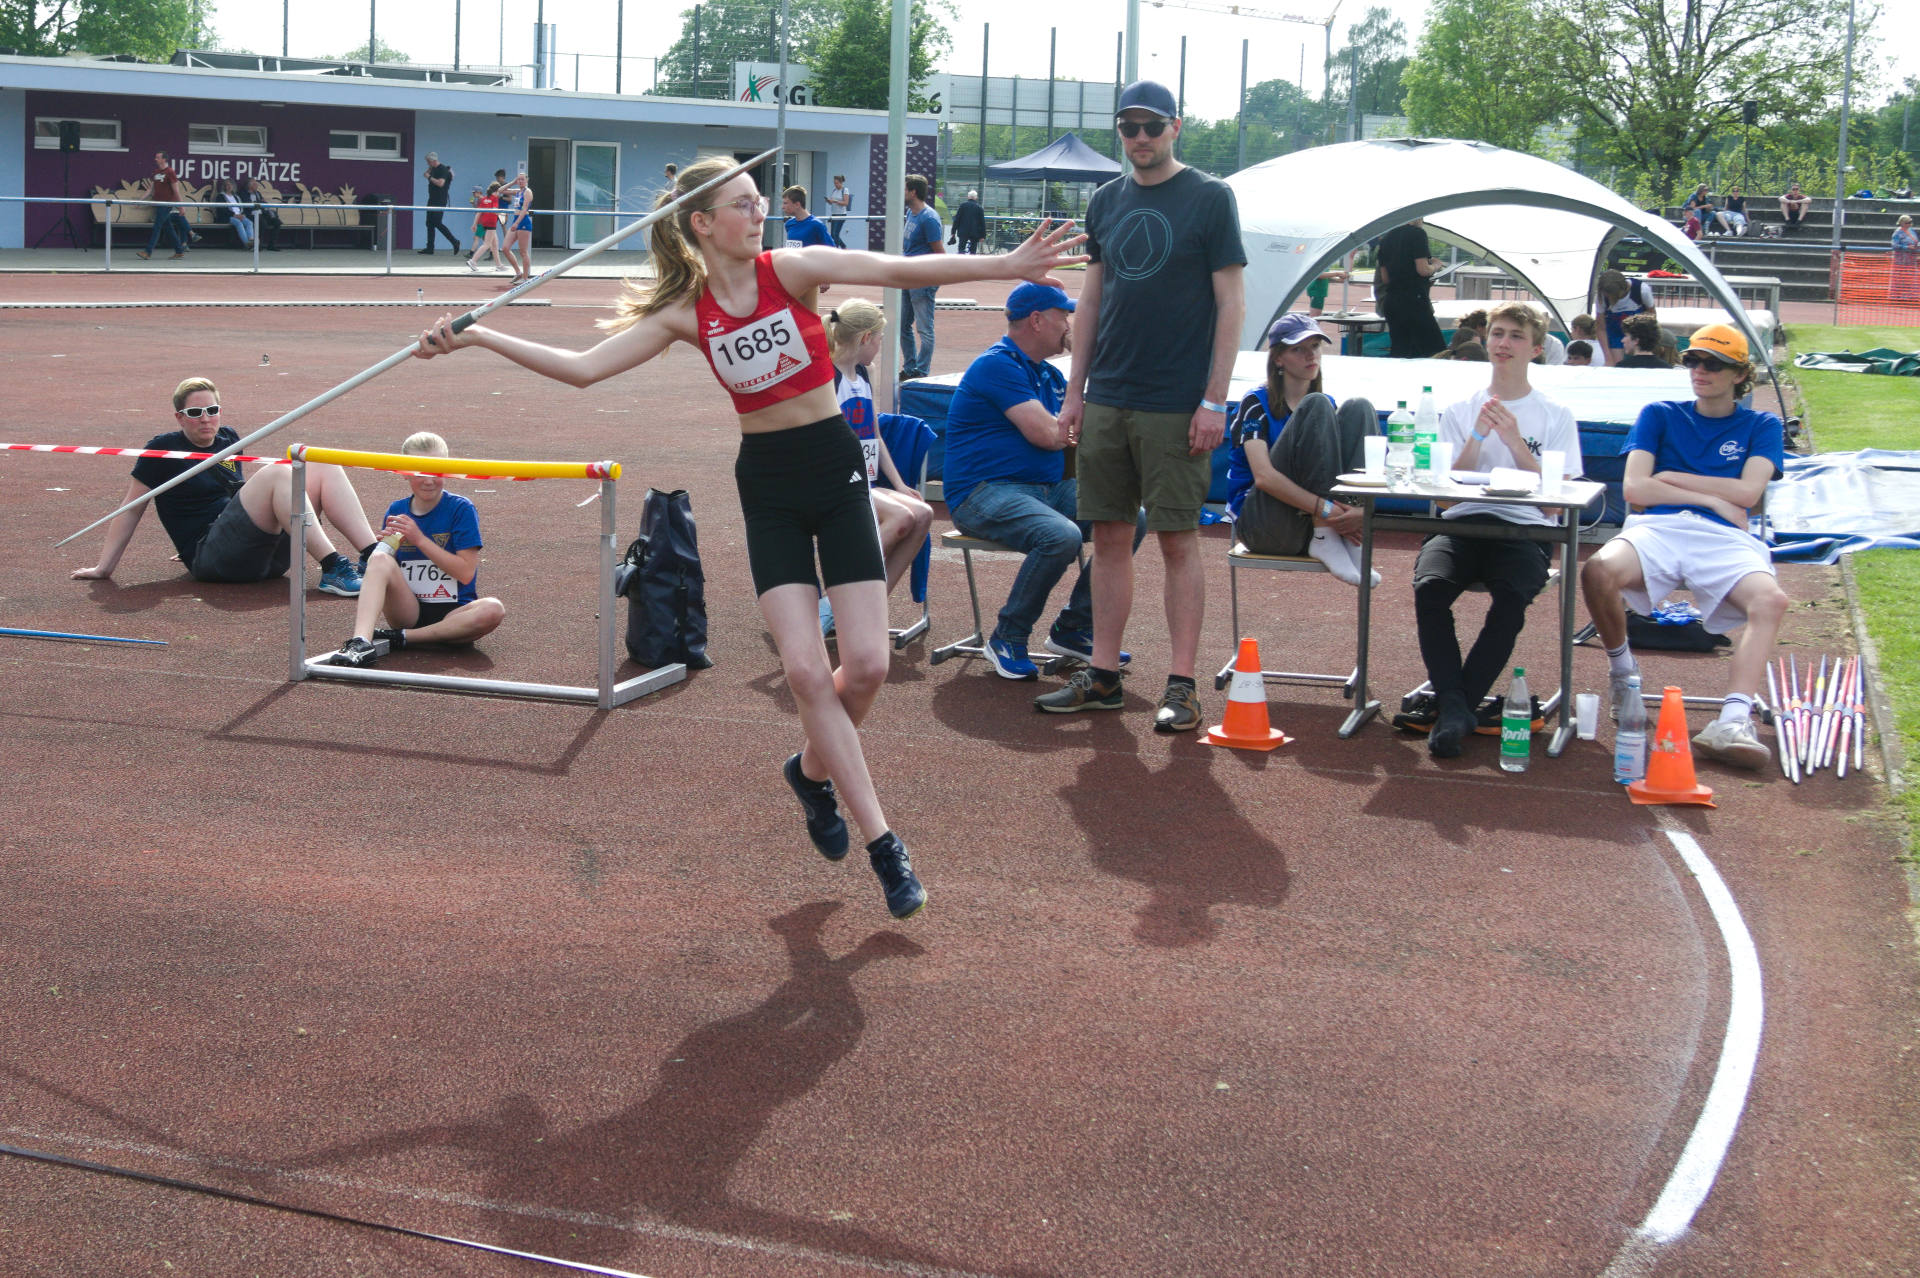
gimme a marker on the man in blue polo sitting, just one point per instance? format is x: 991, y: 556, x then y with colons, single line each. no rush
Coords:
x: 1005, y: 476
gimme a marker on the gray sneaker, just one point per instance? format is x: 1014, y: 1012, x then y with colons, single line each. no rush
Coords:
x: 1179, y: 710
x: 1734, y: 743
x: 1080, y: 693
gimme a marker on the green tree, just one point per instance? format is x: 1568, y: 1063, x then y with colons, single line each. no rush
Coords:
x: 150, y: 29
x: 359, y: 53
x: 1377, y: 43
x: 740, y: 31
x: 1479, y: 74
x: 852, y: 60
x: 1296, y: 118
x: 1650, y: 84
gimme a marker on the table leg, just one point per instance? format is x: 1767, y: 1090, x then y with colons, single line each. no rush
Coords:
x: 1363, y: 708
x: 1569, y: 563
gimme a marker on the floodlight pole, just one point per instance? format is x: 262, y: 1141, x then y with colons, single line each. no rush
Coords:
x: 892, y: 203
x: 1840, y: 163
x: 1241, y: 116
x: 1133, y: 40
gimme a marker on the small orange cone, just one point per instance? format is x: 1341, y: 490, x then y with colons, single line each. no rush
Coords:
x: 1247, y: 726
x: 1670, y: 778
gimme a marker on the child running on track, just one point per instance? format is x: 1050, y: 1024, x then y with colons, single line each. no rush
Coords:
x: 486, y: 220
x: 854, y: 330
x: 428, y: 586
x: 801, y: 474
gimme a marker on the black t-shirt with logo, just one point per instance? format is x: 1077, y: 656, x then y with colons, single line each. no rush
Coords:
x: 1158, y: 247
x: 437, y: 195
x: 189, y: 509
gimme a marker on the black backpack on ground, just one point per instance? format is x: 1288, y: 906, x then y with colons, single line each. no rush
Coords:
x: 665, y: 588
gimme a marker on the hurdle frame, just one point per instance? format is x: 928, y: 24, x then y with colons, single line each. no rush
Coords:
x: 605, y: 695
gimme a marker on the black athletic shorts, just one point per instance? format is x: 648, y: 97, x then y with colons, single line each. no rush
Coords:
x: 234, y: 548
x: 804, y: 485
x: 432, y: 614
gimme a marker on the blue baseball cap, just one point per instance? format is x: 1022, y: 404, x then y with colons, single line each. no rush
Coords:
x: 1148, y: 95
x: 1031, y: 297
x: 1294, y: 328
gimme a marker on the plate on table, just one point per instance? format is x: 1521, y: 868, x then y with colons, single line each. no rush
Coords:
x: 1491, y: 491
x: 1361, y: 479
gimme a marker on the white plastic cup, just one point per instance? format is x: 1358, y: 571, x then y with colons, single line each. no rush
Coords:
x: 1553, y: 467
x: 1441, y: 452
x: 1586, y: 715
x: 1376, y: 446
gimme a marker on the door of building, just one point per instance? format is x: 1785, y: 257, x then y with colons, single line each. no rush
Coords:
x: 596, y: 185
x: 549, y: 177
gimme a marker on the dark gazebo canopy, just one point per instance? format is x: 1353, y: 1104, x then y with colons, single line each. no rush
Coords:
x: 1065, y: 159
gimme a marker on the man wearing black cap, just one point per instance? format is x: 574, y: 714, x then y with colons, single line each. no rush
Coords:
x: 1156, y: 335
x: 439, y: 181
x: 1005, y: 475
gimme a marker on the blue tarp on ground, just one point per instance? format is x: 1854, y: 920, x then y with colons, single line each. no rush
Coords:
x: 1832, y: 504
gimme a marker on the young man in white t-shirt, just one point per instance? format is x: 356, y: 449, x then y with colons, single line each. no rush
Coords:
x: 1508, y: 424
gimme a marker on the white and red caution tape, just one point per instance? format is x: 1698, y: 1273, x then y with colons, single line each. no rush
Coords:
x: 176, y: 455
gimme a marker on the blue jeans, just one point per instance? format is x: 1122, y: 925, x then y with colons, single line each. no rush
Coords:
x: 917, y: 314
x: 167, y: 219
x: 1038, y: 519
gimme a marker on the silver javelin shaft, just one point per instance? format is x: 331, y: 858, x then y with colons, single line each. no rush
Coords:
x: 406, y: 353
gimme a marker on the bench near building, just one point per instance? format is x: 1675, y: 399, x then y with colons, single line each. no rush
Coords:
x: 333, y: 140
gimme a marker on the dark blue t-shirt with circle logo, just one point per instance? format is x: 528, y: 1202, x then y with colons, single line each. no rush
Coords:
x: 1681, y: 439
x: 1158, y: 247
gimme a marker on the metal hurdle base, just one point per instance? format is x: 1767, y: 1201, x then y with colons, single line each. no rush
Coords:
x: 605, y: 695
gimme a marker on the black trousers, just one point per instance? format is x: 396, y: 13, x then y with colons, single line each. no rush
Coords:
x: 1317, y: 445
x: 1513, y: 572
x: 435, y: 223
x: 1411, y: 327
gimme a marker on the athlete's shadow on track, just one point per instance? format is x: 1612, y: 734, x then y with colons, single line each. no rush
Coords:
x: 1175, y: 831
x: 111, y: 597
x: 671, y: 1155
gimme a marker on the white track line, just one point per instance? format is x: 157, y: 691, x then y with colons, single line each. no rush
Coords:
x: 1705, y: 1151
x: 596, y: 1220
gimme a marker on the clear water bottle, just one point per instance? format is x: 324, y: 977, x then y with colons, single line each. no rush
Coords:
x: 1400, y: 443
x: 1426, y: 430
x: 1630, y: 736
x: 1516, y: 725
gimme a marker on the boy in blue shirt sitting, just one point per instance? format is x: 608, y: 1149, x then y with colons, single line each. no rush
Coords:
x: 424, y: 573
x: 1695, y: 471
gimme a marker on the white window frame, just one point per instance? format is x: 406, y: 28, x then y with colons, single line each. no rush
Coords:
x: 52, y: 143
x: 361, y: 152
x: 224, y: 146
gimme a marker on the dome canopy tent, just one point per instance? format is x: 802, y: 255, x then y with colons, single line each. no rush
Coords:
x: 1065, y: 159
x: 1548, y: 227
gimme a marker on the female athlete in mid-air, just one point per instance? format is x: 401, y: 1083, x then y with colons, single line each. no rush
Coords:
x: 801, y: 474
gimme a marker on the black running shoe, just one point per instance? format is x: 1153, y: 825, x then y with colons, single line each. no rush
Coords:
x: 825, y: 826
x: 396, y: 638
x: 904, y: 894
x: 355, y: 652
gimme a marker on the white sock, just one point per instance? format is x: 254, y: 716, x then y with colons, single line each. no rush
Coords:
x: 1737, y: 708
x: 1620, y: 661
x: 1331, y: 549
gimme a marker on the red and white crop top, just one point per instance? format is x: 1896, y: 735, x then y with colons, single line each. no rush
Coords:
x: 774, y: 354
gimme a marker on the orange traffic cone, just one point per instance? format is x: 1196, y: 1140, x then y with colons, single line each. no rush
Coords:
x: 1670, y: 778
x: 1247, y: 726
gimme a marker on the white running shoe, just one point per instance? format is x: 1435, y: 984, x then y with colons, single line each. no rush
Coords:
x: 1733, y: 742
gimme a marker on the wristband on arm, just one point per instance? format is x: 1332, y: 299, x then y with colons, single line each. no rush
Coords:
x: 1213, y: 407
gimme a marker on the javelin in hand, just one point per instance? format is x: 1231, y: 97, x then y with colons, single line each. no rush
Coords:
x: 405, y: 353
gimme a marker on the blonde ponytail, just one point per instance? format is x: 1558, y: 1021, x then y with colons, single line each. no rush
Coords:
x: 850, y: 321
x: 679, y: 271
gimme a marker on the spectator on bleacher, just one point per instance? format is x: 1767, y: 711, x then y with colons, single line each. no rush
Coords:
x: 1619, y: 298
x: 1734, y: 213
x: 1695, y: 469
x: 1509, y: 424
x: 231, y: 212
x: 1579, y: 353
x: 1290, y: 444
x: 1640, y: 343
x: 264, y: 216
x: 1793, y: 207
x: 1005, y: 476
x: 167, y: 220
x: 1701, y: 205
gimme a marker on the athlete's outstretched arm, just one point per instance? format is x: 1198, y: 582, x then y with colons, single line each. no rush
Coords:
x: 626, y: 349
x: 1047, y: 249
